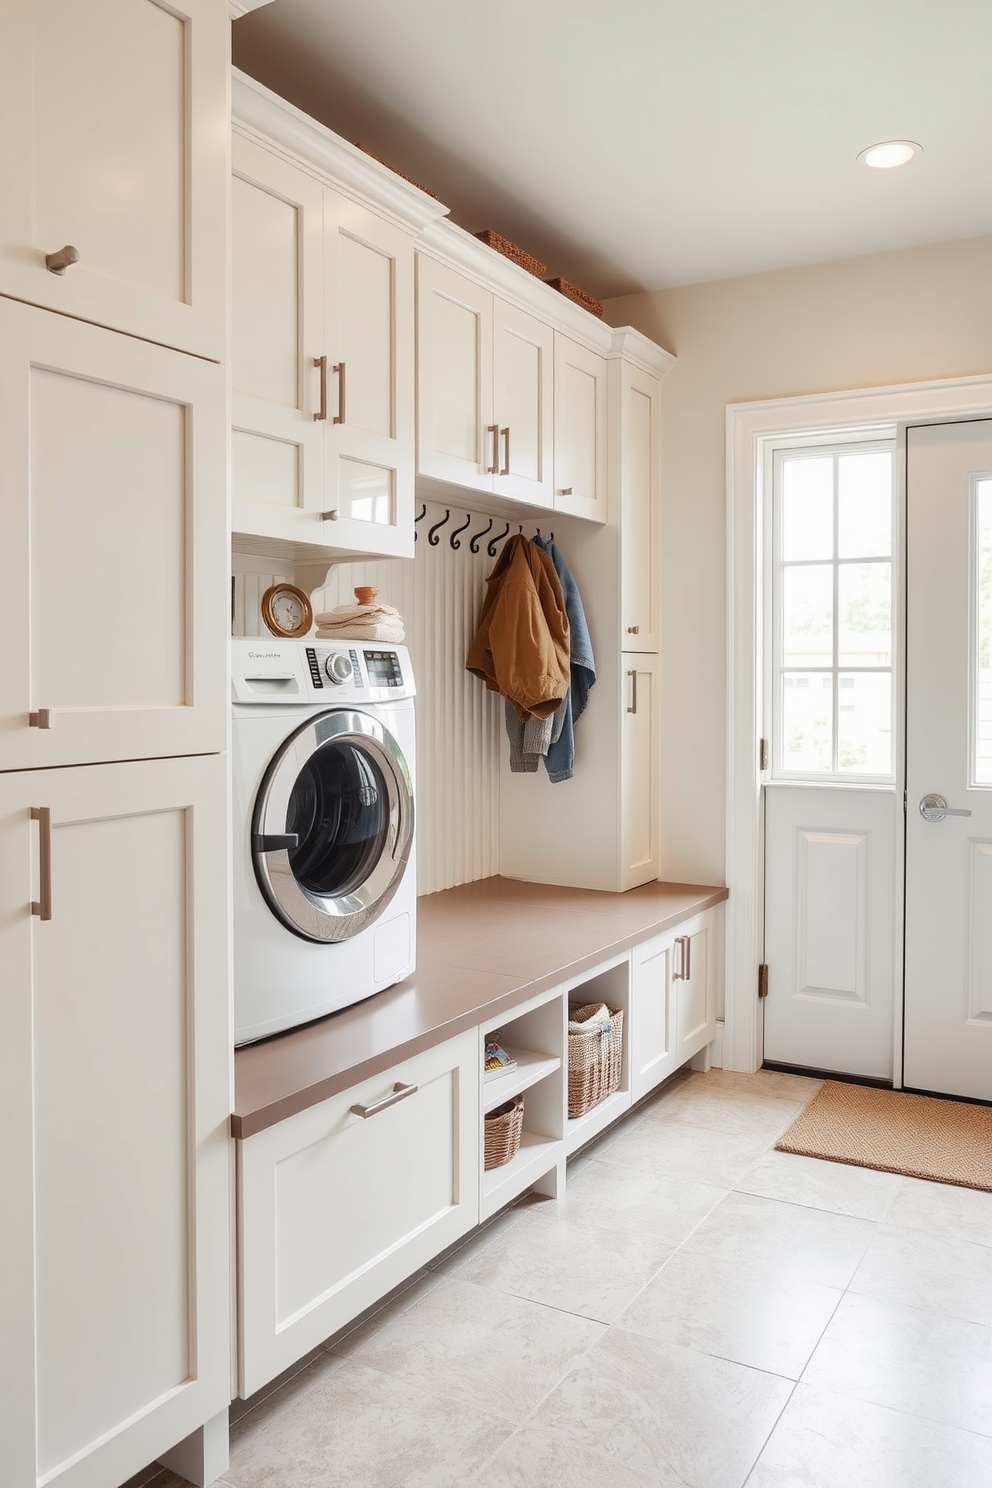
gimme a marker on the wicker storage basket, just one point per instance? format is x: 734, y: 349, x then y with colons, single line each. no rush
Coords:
x: 503, y: 1128
x: 513, y: 253
x: 594, y: 1059
x: 573, y: 292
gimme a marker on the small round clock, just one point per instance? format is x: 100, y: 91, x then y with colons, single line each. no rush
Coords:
x: 287, y: 611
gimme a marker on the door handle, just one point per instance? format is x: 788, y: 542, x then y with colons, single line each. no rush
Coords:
x: 685, y: 958
x: 321, y: 416
x: 632, y: 705
x: 43, y: 719
x: 493, y: 469
x: 340, y: 415
x: 43, y: 816
x: 934, y: 808
x: 506, y: 451
x: 400, y: 1092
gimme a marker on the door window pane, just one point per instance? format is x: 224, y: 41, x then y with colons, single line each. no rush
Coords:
x: 808, y: 615
x: 807, y: 722
x: 864, y: 723
x: 864, y: 603
x: 864, y: 504
x: 983, y: 646
x: 807, y: 509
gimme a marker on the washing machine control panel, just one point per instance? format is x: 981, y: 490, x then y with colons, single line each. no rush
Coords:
x: 318, y: 672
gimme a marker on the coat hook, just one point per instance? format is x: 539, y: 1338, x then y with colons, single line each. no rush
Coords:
x: 539, y: 532
x: 432, y: 536
x: 494, y: 542
x: 551, y: 537
x: 454, y: 539
x: 474, y: 544
x: 420, y: 518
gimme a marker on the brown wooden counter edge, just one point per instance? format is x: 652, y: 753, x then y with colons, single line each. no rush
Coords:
x: 247, y: 1122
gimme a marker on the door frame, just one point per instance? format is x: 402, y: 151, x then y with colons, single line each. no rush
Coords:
x: 750, y: 427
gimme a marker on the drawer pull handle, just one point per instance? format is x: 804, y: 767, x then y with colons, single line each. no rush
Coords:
x: 505, y: 435
x: 339, y: 417
x: 400, y: 1092
x: 684, y: 972
x: 321, y: 363
x: 43, y: 816
x: 632, y: 705
x: 57, y: 263
x: 493, y: 469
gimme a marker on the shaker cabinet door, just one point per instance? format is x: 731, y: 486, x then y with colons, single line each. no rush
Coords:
x: 113, y: 509
x: 456, y: 436
x: 113, y: 140
x: 638, y: 774
x: 640, y: 414
x: 580, y: 430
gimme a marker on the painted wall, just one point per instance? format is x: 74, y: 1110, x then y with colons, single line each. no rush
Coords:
x: 910, y: 316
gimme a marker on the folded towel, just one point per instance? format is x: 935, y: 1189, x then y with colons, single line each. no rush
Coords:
x: 373, y: 622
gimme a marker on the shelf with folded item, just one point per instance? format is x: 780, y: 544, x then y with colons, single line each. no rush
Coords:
x: 533, y: 1038
x: 530, y: 1067
x: 598, y: 1061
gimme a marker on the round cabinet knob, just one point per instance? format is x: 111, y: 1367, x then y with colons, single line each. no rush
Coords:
x: 338, y: 668
x: 57, y: 263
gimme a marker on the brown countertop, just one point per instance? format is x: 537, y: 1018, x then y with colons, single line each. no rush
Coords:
x: 481, y: 949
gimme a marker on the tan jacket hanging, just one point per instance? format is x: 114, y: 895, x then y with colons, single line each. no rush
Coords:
x: 521, y: 648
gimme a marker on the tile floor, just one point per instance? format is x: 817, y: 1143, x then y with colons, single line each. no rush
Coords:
x: 698, y: 1311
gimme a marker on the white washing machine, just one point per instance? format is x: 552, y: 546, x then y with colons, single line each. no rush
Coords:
x: 325, y: 899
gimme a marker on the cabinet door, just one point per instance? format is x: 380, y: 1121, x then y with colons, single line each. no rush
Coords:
x: 523, y: 404
x: 695, y: 996
x: 638, y: 794
x: 277, y: 334
x: 455, y: 430
x: 640, y: 397
x: 114, y: 1100
x: 336, y: 1209
x: 113, y: 138
x: 580, y: 430
x: 112, y: 503
x: 652, y: 1021
x: 369, y: 457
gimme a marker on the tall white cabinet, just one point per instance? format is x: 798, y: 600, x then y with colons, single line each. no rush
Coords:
x: 114, y: 1026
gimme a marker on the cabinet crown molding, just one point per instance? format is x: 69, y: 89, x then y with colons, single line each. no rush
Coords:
x: 256, y: 111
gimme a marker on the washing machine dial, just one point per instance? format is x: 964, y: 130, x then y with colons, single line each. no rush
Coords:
x: 338, y: 668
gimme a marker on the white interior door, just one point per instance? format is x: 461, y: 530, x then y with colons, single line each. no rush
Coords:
x: 948, y: 1000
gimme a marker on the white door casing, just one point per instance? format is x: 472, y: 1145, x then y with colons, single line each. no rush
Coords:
x: 948, y: 1008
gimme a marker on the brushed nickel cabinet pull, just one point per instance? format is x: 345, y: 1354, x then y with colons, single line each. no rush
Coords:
x: 43, y: 719
x: 321, y: 362
x: 339, y: 416
x: 632, y: 706
x: 633, y: 630
x: 43, y: 816
x: 330, y: 516
x: 565, y: 491
x: 687, y: 957
x: 400, y: 1092
x: 682, y: 974
x: 506, y: 451
x: 57, y: 263
x: 493, y: 469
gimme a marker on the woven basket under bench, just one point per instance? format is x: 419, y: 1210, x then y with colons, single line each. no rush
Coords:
x: 503, y: 1128
x: 595, y: 1058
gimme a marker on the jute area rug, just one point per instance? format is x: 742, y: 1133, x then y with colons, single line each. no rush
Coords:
x: 946, y: 1141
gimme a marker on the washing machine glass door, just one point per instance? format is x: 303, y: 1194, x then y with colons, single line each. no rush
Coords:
x: 332, y: 827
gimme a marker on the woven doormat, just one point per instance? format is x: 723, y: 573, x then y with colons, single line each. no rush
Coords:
x: 946, y: 1141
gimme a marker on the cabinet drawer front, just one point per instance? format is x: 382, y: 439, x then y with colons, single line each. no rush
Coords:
x: 336, y: 1209
x: 136, y: 183
x: 112, y: 473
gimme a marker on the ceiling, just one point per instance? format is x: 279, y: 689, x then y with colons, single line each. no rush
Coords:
x: 640, y: 144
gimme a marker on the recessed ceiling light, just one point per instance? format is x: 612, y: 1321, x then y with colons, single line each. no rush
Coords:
x: 889, y: 154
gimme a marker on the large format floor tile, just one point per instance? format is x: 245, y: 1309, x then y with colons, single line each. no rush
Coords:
x: 810, y: 1244
x: 737, y: 1310
x: 690, y: 1420
x: 342, y: 1425
x: 481, y: 1347
x: 612, y: 1197
x: 724, y: 1108
x: 555, y: 1459
x: 910, y: 1359
x: 679, y: 1150
x: 827, y: 1441
x: 860, y: 1192
x: 961, y: 1213
x: 921, y: 1269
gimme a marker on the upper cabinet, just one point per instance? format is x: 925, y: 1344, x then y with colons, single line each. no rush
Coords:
x: 485, y: 383
x: 637, y: 451
x: 124, y: 227
x: 322, y: 360
x: 581, y: 464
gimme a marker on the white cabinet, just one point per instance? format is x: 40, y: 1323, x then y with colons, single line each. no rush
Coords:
x: 485, y: 383
x: 653, y: 1031
x: 114, y: 1101
x: 694, y: 975
x: 322, y: 363
x: 112, y: 472
x: 639, y: 770
x: 113, y: 139
x: 638, y: 454
x: 343, y: 1201
x: 581, y: 463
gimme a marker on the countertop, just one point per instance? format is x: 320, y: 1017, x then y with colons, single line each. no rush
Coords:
x: 481, y: 949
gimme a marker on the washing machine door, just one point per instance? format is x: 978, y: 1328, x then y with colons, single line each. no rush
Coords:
x: 332, y: 826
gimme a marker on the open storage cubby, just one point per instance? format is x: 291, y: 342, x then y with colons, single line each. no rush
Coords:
x: 610, y: 984
x: 534, y: 1035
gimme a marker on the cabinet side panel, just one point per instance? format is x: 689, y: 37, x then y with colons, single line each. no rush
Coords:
x: 112, y: 1146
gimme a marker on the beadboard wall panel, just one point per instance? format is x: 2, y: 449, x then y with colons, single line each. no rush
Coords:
x: 439, y: 594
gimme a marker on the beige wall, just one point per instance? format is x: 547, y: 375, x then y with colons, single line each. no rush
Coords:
x: 910, y: 316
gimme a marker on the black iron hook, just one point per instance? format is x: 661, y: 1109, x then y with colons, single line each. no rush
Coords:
x: 420, y: 518
x: 494, y: 542
x: 474, y: 544
x: 454, y: 539
x: 432, y: 536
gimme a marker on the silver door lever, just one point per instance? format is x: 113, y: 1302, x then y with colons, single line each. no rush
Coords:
x: 935, y: 808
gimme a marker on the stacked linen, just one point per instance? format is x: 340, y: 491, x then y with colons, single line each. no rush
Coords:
x: 363, y: 621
